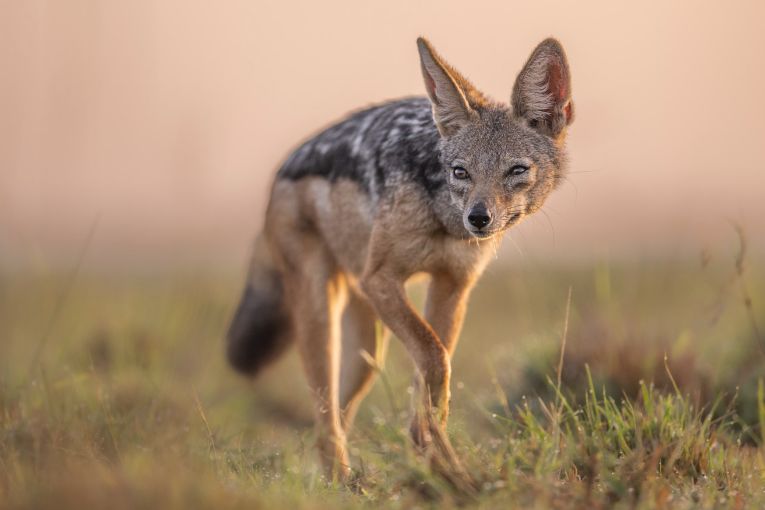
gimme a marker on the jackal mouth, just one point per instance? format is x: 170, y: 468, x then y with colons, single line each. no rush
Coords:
x: 482, y: 234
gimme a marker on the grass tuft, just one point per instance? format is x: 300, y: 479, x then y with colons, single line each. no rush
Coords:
x: 641, y: 389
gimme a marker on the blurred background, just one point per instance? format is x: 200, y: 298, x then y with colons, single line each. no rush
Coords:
x: 138, y: 142
x: 167, y: 120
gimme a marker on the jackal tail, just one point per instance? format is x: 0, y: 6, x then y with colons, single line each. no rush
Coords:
x: 260, y: 329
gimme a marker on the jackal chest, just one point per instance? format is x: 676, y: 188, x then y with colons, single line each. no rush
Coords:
x: 443, y: 253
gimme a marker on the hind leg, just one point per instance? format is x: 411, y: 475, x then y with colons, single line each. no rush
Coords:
x: 317, y: 293
x: 356, y: 374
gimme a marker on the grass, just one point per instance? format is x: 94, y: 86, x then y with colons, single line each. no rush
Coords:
x: 657, y: 401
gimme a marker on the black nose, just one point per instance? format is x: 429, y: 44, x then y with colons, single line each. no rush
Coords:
x: 479, y: 217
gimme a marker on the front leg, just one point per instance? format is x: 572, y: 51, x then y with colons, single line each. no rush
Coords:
x: 444, y: 312
x: 386, y: 292
x: 385, y: 289
x: 446, y: 305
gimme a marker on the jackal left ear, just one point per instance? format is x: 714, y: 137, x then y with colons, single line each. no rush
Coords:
x: 447, y: 90
x: 542, y: 91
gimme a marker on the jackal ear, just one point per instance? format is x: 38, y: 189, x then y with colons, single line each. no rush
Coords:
x: 447, y: 90
x: 542, y: 91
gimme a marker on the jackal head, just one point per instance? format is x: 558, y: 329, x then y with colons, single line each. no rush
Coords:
x: 502, y: 160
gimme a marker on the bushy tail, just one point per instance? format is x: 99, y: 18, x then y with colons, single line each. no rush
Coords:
x: 259, y: 331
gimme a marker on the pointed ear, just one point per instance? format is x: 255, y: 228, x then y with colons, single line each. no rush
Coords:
x: 451, y: 109
x: 542, y: 91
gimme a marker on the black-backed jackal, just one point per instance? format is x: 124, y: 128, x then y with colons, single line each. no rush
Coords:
x: 410, y: 186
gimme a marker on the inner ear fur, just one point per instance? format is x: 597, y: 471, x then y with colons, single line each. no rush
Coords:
x: 542, y: 91
x: 453, y: 97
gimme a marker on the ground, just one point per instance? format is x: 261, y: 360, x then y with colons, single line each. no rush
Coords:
x: 114, y: 393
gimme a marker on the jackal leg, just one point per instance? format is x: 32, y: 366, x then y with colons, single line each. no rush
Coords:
x: 356, y: 374
x: 446, y: 306
x: 431, y: 400
x: 385, y: 290
x: 317, y: 293
x: 444, y: 312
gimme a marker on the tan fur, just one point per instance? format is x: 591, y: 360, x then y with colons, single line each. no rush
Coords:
x: 335, y: 261
x: 331, y: 266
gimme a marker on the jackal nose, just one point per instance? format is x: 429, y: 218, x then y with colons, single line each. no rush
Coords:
x: 479, y: 217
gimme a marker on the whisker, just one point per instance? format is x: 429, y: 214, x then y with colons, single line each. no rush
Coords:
x: 581, y: 172
x: 573, y: 184
x: 549, y: 222
x: 517, y: 248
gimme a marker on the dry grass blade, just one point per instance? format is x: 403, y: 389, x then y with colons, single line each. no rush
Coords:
x: 564, y: 336
x: 62, y: 298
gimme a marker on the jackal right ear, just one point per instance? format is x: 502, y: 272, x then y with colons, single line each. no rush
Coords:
x: 451, y: 109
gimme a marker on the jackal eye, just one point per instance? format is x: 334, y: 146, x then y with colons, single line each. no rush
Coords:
x: 518, y: 170
x: 460, y: 173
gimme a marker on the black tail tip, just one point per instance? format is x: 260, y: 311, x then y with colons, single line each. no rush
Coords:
x: 239, y: 358
x: 250, y: 349
x: 258, y: 333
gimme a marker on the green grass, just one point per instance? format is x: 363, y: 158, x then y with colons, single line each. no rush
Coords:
x: 129, y: 403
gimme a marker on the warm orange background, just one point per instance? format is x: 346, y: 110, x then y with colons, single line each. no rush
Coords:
x: 167, y: 119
